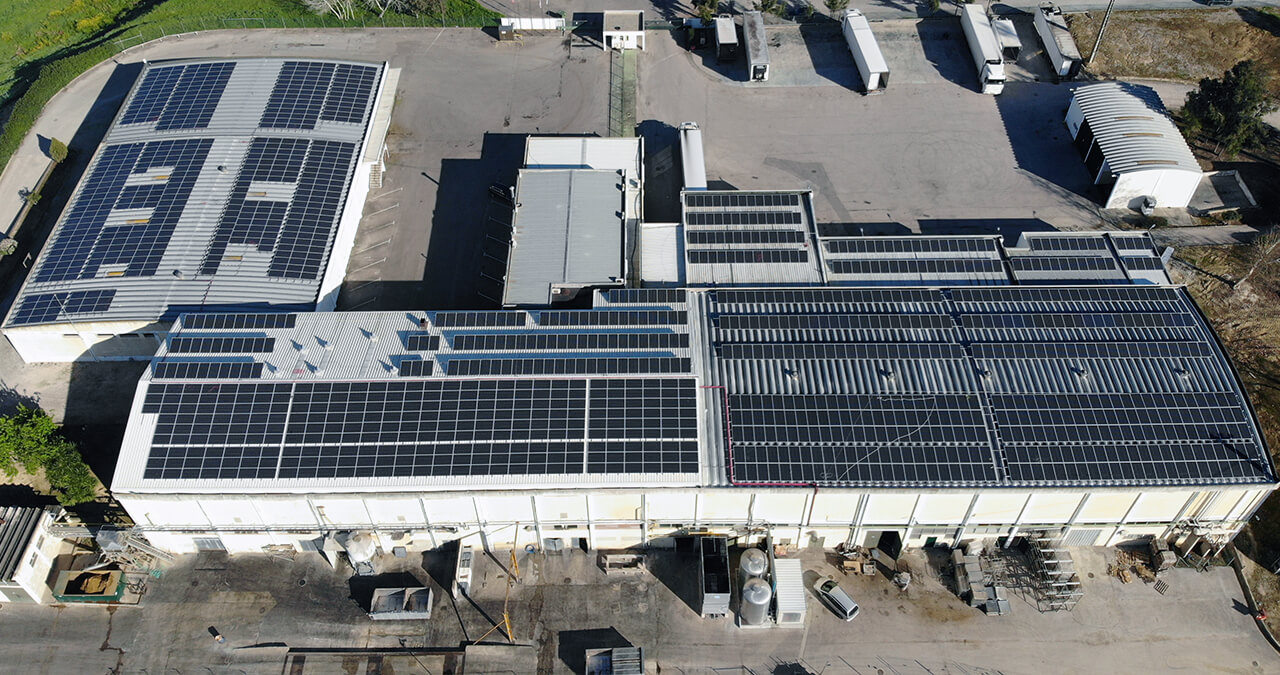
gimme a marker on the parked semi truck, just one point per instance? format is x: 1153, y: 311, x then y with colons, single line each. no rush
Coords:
x: 1059, y: 46
x: 984, y: 48
x: 726, y: 39
x: 757, y: 46
x: 866, y: 53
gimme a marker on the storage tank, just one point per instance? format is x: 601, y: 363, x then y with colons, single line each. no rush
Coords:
x: 753, y: 564
x: 756, y: 596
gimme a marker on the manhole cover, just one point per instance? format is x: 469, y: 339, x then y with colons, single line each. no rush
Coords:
x: 302, y: 582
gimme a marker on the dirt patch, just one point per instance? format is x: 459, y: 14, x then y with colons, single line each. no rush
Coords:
x: 1182, y: 45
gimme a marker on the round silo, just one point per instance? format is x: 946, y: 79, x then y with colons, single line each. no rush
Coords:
x: 756, y: 595
x: 753, y: 564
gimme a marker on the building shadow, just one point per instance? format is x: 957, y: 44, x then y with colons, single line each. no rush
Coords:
x: 943, y: 42
x: 663, y: 172
x: 1009, y: 228
x: 876, y: 229
x: 572, y: 645
x: 1259, y: 19
x: 1033, y: 117
x: 677, y: 570
x: 362, y: 587
x: 829, y: 54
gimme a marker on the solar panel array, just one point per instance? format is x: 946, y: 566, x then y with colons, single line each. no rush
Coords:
x: 913, y: 261
x: 748, y: 238
x: 446, y: 395
x: 1003, y: 386
x: 162, y: 176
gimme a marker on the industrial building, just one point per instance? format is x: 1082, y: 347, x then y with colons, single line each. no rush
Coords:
x: 1076, y: 393
x: 27, y: 552
x: 577, y: 202
x: 1127, y: 140
x: 221, y: 185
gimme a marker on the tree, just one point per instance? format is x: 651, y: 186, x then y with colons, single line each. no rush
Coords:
x: 835, y: 8
x: 57, y: 151
x: 707, y: 11
x: 344, y: 10
x: 1231, y: 109
x: 30, y: 441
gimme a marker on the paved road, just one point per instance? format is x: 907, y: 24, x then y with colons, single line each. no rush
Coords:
x: 1212, y: 235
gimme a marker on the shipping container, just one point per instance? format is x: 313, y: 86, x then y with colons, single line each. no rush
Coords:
x: 866, y: 53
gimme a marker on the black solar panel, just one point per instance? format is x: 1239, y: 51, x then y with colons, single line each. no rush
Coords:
x: 421, y: 342
x: 839, y: 351
x: 48, y: 307
x: 764, y: 256
x: 212, y: 462
x: 624, y: 457
x: 195, y: 96
x: 313, y: 215
x: 1062, y: 263
x: 943, y: 269
x: 508, y: 319
x: 221, y: 345
x: 670, y: 409
x: 542, y: 342
x: 612, y: 318
x: 1066, y: 243
x: 206, y: 370
x: 417, y: 367
x: 84, y: 243
x: 630, y: 365
x: 152, y: 95
x: 739, y: 199
x: 878, y: 246
x: 248, y: 219
x: 744, y: 218
x: 746, y: 237
x: 1122, y: 243
x: 1143, y: 263
x: 239, y: 321
x: 298, y: 96
x: 646, y: 296
x: 350, y: 96
x: 835, y: 322
x: 854, y: 296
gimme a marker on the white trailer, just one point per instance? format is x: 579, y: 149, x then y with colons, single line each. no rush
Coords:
x: 757, y: 46
x: 1007, y: 36
x: 866, y: 53
x: 1059, y: 46
x: 984, y: 48
x: 691, y: 159
x: 726, y: 39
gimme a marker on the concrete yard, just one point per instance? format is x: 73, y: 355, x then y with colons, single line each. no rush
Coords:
x: 564, y: 604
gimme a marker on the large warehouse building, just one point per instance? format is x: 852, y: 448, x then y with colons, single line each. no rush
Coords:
x: 230, y: 185
x: 962, y: 391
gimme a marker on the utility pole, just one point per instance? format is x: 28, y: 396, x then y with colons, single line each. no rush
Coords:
x: 1101, y: 29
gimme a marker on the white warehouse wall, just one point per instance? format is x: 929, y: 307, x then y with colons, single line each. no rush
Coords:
x: 620, y: 518
x: 1172, y: 188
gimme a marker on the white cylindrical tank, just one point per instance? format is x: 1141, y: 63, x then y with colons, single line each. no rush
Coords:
x: 360, y: 547
x: 753, y: 564
x: 756, y: 596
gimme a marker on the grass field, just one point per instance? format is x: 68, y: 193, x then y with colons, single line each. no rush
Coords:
x: 50, y: 42
x: 1182, y: 45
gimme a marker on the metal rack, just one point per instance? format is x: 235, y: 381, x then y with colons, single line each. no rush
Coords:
x: 1057, y: 584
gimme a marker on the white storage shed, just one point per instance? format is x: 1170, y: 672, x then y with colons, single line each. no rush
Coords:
x: 1126, y: 138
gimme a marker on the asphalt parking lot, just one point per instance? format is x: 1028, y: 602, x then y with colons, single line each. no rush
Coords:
x: 929, y: 155
x: 269, y: 608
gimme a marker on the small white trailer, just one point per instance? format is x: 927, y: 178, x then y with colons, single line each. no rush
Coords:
x: 1007, y: 36
x: 983, y: 47
x: 692, y: 161
x: 1059, y: 46
x: 757, y: 46
x: 866, y: 53
x: 726, y: 32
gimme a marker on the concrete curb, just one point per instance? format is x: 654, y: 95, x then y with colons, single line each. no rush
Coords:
x: 1248, y: 596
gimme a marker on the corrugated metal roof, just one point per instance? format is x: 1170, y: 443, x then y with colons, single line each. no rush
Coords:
x: 789, y: 591
x: 17, y: 525
x: 567, y: 230
x: 570, y: 152
x: 1133, y: 129
x: 1057, y: 24
x: 177, y: 283
x: 661, y: 253
x: 741, y: 238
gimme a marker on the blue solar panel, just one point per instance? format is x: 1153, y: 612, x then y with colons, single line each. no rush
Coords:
x: 253, y: 221
x: 313, y: 216
x: 152, y: 95
x: 47, y: 307
x: 84, y: 243
x: 349, y: 96
x: 298, y: 96
x: 195, y: 96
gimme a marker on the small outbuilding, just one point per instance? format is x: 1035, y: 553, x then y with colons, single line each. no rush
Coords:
x: 1128, y: 140
x: 624, y: 29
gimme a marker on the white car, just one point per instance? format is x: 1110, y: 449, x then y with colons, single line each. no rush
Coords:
x: 834, y: 597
